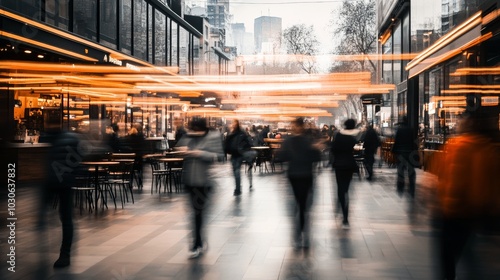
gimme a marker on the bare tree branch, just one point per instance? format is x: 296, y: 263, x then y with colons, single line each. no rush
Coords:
x: 301, y: 41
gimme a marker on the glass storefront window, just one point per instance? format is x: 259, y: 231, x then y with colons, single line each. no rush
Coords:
x: 196, y: 55
x: 169, y: 40
x: 397, y: 50
x: 107, y: 23
x: 421, y: 99
x: 29, y: 8
x: 183, y: 51
x: 405, y: 45
x: 160, y: 35
x: 57, y: 13
x: 435, y: 127
x: 387, y: 64
x: 174, y: 44
x: 425, y: 24
x: 402, y: 104
x: 150, y: 45
x: 140, y: 31
x: 84, y: 18
x: 453, y: 13
x: 126, y: 26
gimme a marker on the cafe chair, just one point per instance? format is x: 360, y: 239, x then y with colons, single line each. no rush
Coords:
x: 175, y: 175
x: 82, y: 189
x: 360, y: 162
x: 263, y: 157
x: 104, y: 188
x: 159, y: 175
x: 120, y: 180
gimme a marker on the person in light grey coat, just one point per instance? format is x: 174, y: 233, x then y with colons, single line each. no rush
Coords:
x: 202, y: 147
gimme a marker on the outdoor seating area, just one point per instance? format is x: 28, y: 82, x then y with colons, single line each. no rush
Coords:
x: 111, y: 181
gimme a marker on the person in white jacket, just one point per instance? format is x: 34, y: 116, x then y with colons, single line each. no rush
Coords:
x: 202, y: 147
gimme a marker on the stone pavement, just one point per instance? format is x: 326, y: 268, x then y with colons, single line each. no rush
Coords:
x: 249, y: 236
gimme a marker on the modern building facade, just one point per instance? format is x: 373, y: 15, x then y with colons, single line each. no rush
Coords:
x: 451, y: 42
x: 126, y: 33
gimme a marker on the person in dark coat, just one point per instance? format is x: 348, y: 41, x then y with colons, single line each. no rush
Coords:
x: 345, y: 164
x: 300, y: 153
x: 371, y: 142
x: 179, y: 130
x: 238, y: 144
x: 62, y: 165
x: 135, y: 143
x: 113, y: 140
x: 405, y: 149
x: 263, y: 135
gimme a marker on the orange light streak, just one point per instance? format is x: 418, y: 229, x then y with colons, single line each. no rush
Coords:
x: 476, y: 71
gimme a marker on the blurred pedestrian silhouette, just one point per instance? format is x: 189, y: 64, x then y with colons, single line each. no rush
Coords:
x: 202, y: 148
x: 300, y: 153
x: 238, y: 144
x: 135, y: 143
x: 345, y: 164
x: 112, y: 139
x: 61, y: 166
x: 264, y: 133
x: 179, y: 129
x: 371, y: 142
x: 406, y: 152
x: 468, y: 190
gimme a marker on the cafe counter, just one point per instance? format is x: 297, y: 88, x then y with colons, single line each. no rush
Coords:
x: 30, y: 160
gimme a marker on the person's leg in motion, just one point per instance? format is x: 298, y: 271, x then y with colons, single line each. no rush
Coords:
x: 412, y: 176
x: 198, y: 197
x: 236, y: 162
x: 400, y: 180
x: 66, y: 217
x: 250, y: 173
x: 369, y: 161
x: 343, y: 178
x: 454, y: 236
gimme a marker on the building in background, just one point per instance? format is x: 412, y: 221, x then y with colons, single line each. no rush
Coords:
x: 242, y: 40
x: 267, y: 34
x: 218, y: 13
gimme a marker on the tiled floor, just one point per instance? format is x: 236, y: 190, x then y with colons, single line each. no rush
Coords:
x: 249, y: 236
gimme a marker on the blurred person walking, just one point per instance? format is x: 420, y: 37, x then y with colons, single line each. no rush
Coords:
x: 300, y: 153
x: 135, y: 143
x: 371, y: 142
x: 61, y: 166
x: 468, y: 193
x: 113, y: 140
x: 238, y: 144
x: 179, y: 130
x: 406, y: 151
x: 202, y: 147
x: 345, y: 164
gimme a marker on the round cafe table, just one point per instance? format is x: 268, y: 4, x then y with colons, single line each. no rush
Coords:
x: 97, y: 165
